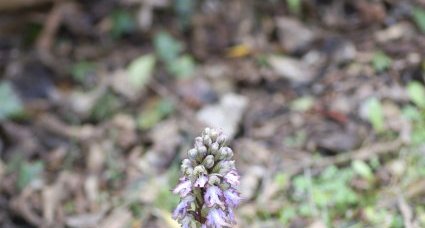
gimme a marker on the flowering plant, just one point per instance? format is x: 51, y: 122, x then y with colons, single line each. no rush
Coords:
x: 208, y: 186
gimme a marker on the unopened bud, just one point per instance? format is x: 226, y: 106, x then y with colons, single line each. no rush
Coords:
x: 202, y: 151
x: 189, y: 171
x: 224, y: 153
x: 213, y: 179
x: 208, y: 161
x: 192, y: 154
x: 186, y: 163
x: 229, y: 154
x: 214, y: 134
x: 198, y: 142
x: 200, y: 169
x: 221, y: 139
x: 224, y: 167
x: 206, y: 131
x: 207, y: 140
x: 214, y: 148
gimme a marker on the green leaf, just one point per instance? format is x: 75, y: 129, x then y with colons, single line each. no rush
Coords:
x: 11, y: 105
x: 122, y: 23
x: 419, y: 18
x: 182, y: 67
x: 166, y: 47
x: 105, y: 106
x: 294, y: 6
x: 29, y: 172
x: 416, y: 93
x: 381, y: 61
x: 375, y: 114
x: 152, y: 115
x: 184, y: 10
x: 302, y: 104
x: 140, y: 70
x: 81, y: 70
x: 411, y: 113
x: 362, y: 169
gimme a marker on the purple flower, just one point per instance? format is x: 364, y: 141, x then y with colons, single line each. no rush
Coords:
x: 216, y: 218
x: 201, y: 181
x: 231, y: 215
x: 181, y: 209
x: 232, y: 177
x: 212, y: 196
x: 232, y: 197
x: 183, y: 188
x: 208, y: 187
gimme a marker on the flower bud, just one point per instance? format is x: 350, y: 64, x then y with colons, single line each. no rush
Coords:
x: 207, y: 140
x: 200, y: 169
x: 226, y: 166
x: 221, y: 140
x: 213, y: 179
x: 214, y: 148
x: 229, y: 154
x: 186, y: 163
x: 192, y: 154
x: 198, y: 142
x: 208, y: 161
x: 202, y: 151
x: 213, y: 134
x: 188, y: 171
x: 224, y: 153
x: 206, y: 131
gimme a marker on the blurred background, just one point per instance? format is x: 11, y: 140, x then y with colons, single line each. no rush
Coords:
x: 324, y: 101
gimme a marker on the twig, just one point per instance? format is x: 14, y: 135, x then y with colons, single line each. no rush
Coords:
x: 406, y: 212
x: 365, y: 153
x: 17, y: 4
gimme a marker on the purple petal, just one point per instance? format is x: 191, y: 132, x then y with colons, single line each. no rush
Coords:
x: 232, y: 197
x: 217, y: 218
x: 231, y: 215
x: 181, y: 209
x: 232, y: 177
x: 183, y: 188
x: 212, y: 196
x: 201, y: 181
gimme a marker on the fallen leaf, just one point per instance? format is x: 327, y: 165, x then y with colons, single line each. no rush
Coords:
x: 416, y: 93
x: 238, y: 51
x: 119, y: 218
x: 11, y: 105
x: 140, y: 70
x: 225, y: 115
x: 291, y: 69
x: 293, y: 35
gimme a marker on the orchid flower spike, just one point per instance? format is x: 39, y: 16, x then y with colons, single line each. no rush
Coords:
x: 209, y: 182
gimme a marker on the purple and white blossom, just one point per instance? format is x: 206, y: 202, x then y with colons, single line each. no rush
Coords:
x: 217, y: 218
x: 201, y: 181
x: 213, y: 196
x: 182, y: 207
x: 208, y: 188
x: 231, y: 197
x: 183, y: 188
x: 232, y: 177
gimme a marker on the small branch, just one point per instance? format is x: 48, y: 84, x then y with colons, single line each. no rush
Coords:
x: 364, y: 153
x: 17, y: 4
x: 406, y: 212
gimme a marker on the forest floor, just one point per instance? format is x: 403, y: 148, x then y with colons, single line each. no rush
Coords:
x: 324, y: 101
